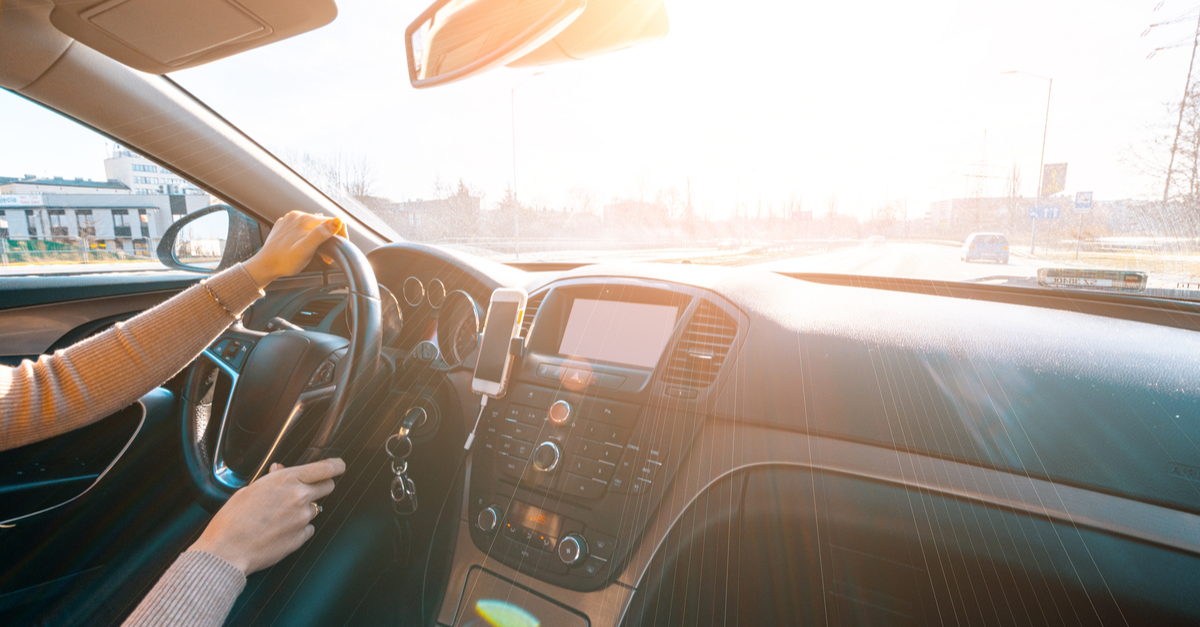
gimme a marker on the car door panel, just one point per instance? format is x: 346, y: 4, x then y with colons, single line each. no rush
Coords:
x: 96, y: 555
x: 26, y: 332
x: 52, y: 472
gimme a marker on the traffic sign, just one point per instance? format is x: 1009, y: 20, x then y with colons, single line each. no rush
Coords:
x: 1083, y: 202
x: 1048, y: 212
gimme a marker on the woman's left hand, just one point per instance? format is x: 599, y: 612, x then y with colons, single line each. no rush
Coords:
x: 290, y: 245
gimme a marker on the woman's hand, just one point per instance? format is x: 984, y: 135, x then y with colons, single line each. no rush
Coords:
x: 290, y: 245
x: 265, y: 521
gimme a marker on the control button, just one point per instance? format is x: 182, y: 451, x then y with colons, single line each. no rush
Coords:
x: 588, y: 448
x: 323, y: 375
x: 593, y: 565
x: 649, y: 470
x: 515, y: 448
x: 546, y: 457
x: 610, y: 453
x: 560, y: 412
x: 576, y: 378
x: 510, y: 530
x: 544, y: 542
x: 681, y: 393
x: 612, y: 412
x: 240, y: 358
x: 606, y: 433
x: 639, y: 487
x: 601, y: 545
x: 510, y: 466
x: 526, y: 535
x: 530, y: 396
x: 591, y: 469
x: 489, y: 519
x: 519, y: 431
x: 582, y: 487
x: 572, y: 549
x: 549, y: 371
x: 533, y: 417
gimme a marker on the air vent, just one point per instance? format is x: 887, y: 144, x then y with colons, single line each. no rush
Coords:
x: 702, y: 349
x: 531, y: 307
x: 313, y: 313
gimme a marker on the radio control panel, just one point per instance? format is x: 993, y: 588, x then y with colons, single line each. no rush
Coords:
x: 552, y: 480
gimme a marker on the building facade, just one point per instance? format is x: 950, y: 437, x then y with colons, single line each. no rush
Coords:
x: 143, y: 176
x: 129, y: 223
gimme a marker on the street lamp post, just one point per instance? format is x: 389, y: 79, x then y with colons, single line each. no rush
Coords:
x: 512, y: 103
x: 1042, y: 159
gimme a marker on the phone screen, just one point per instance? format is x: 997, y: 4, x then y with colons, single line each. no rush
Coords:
x: 497, y: 333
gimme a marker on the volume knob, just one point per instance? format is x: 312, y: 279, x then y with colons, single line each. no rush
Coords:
x: 560, y: 412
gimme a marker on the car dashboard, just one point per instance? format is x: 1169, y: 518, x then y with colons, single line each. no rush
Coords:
x: 782, y: 450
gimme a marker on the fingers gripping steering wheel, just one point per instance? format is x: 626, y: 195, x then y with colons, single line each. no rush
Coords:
x: 268, y: 389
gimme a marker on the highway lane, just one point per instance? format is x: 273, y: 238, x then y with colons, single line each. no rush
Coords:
x: 898, y: 259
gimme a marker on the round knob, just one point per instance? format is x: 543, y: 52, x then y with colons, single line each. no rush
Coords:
x: 560, y: 412
x: 488, y: 519
x: 572, y: 549
x: 546, y: 457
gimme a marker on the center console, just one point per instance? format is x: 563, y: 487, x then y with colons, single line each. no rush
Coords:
x: 572, y: 461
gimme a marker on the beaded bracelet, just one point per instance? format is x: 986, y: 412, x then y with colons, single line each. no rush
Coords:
x: 236, y: 316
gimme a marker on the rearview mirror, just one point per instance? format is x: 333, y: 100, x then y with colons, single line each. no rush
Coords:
x: 455, y: 39
x: 209, y: 240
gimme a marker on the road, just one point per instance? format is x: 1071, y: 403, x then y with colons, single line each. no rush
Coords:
x: 914, y: 261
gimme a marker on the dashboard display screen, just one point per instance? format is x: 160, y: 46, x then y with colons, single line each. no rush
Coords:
x: 634, y: 334
x: 538, y: 520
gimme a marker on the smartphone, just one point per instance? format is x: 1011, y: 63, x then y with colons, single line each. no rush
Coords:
x: 502, y: 324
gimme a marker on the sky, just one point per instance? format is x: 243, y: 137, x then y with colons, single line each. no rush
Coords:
x: 860, y: 102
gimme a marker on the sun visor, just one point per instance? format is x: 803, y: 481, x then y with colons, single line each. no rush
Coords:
x: 604, y: 26
x: 161, y: 36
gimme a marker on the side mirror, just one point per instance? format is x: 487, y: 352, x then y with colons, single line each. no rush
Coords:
x: 209, y: 240
x: 456, y: 39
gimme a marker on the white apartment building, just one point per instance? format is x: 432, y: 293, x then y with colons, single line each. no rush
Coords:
x: 143, y: 176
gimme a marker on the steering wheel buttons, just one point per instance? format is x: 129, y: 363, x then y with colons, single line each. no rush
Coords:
x: 323, y: 375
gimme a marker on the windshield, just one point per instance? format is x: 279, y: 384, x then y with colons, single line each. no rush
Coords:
x: 832, y: 137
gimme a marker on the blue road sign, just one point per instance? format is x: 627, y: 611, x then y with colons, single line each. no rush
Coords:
x: 1049, y: 212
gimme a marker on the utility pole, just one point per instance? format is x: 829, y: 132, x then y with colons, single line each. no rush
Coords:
x: 1042, y: 159
x: 1182, y: 103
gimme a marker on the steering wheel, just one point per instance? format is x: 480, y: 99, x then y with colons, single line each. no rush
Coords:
x: 268, y: 389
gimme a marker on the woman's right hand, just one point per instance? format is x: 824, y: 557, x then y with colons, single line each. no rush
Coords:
x: 265, y: 521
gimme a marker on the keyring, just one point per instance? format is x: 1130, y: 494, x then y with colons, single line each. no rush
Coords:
x: 402, y: 470
x: 387, y: 446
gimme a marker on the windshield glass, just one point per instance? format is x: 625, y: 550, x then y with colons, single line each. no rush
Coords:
x: 831, y: 137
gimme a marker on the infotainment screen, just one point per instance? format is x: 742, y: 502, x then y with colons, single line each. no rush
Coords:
x: 634, y: 334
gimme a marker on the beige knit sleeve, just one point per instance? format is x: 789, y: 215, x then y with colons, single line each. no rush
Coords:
x: 198, y: 590
x: 85, y: 382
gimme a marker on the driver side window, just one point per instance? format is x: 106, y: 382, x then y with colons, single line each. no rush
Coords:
x: 73, y: 201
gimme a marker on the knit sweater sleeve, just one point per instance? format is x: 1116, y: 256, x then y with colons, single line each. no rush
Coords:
x: 198, y: 590
x: 83, y: 383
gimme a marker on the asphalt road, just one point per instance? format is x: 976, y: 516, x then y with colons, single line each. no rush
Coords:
x: 917, y: 261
